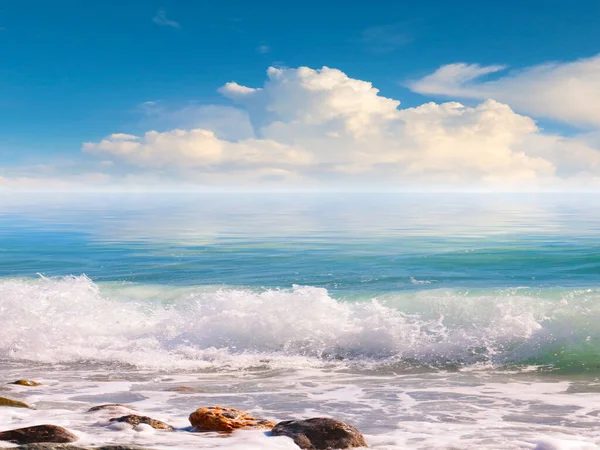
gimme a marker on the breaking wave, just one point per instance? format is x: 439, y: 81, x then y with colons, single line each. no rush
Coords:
x: 72, y: 319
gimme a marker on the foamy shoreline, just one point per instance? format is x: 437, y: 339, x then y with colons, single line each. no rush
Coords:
x: 415, y: 411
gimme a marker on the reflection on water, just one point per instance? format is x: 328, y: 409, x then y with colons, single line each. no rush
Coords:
x: 346, y: 243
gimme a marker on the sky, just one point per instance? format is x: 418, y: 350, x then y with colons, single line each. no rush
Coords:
x: 316, y: 95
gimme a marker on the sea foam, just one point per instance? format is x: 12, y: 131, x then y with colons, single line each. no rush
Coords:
x: 72, y: 319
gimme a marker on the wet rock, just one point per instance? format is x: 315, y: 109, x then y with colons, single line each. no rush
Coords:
x: 39, y: 433
x: 217, y: 418
x: 49, y: 446
x: 320, y: 433
x: 134, y: 420
x: 14, y: 403
x: 111, y: 407
x: 184, y: 389
x: 26, y: 383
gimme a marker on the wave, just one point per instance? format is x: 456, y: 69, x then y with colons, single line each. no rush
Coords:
x: 72, y: 319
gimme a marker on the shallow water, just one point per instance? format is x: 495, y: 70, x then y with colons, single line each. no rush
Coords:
x: 427, y: 321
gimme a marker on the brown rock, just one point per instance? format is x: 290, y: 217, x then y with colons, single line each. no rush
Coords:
x: 26, y: 383
x: 51, y: 446
x: 217, y: 418
x: 320, y: 433
x: 48, y: 446
x: 39, y: 433
x: 14, y: 403
x: 109, y: 406
x: 184, y: 389
x: 134, y: 420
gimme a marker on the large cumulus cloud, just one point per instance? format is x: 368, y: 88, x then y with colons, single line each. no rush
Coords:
x: 321, y: 126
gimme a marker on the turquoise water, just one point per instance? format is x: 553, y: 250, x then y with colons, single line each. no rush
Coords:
x: 349, y: 244
x: 438, y: 280
x: 427, y: 321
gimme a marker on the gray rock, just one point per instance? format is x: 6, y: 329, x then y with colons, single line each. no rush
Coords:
x: 135, y: 420
x: 320, y: 433
x: 110, y: 407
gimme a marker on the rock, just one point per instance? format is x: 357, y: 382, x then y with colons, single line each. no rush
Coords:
x: 48, y: 446
x: 110, y: 406
x: 134, y: 420
x: 14, y: 403
x: 39, y: 433
x: 184, y: 389
x: 26, y: 383
x: 320, y: 433
x: 217, y: 418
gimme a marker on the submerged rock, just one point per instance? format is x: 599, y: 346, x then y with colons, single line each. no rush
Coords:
x: 14, y: 403
x: 217, y: 418
x: 110, y: 406
x: 320, y: 433
x: 120, y: 447
x: 135, y: 420
x: 26, y: 383
x: 184, y: 389
x: 39, y: 433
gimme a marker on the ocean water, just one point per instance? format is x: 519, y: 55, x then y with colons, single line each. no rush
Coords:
x: 427, y: 321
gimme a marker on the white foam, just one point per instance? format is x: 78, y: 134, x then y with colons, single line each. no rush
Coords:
x: 412, y: 411
x: 73, y: 319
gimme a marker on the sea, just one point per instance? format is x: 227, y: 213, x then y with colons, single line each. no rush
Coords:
x: 428, y: 321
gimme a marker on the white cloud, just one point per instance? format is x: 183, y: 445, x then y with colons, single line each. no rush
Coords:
x: 322, y: 127
x: 122, y: 137
x: 90, y: 181
x: 235, y: 89
x: 303, y: 96
x: 568, y: 91
x: 161, y: 19
x: 197, y: 148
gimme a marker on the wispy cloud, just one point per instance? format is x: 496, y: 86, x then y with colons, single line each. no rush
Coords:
x: 387, y: 38
x: 161, y: 19
x: 567, y: 91
x: 150, y: 108
x: 263, y: 49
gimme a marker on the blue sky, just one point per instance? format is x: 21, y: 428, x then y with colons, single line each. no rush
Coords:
x: 74, y: 72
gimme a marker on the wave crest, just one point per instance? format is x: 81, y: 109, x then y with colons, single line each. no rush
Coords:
x: 70, y: 319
